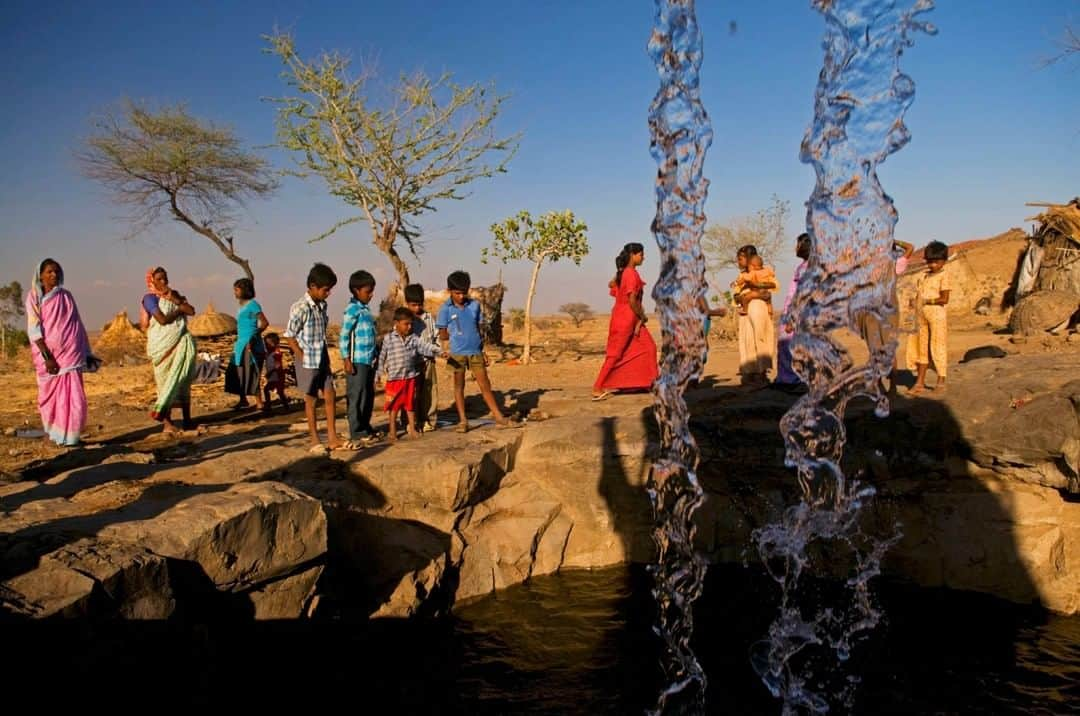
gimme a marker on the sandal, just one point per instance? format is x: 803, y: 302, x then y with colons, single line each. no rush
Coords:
x: 603, y: 396
x: 319, y: 449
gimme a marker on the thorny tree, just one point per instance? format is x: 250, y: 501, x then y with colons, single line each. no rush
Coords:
x: 579, y: 312
x: 168, y: 161
x: 393, y: 162
x: 765, y: 230
x: 555, y: 235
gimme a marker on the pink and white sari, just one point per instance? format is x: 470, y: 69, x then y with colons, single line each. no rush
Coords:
x: 54, y: 317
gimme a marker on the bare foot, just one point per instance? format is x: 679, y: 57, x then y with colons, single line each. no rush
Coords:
x: 391, y: 436
x: 916, y: 389
x: 940, y: 387
x: 412, y: 435
x: 332, y: 442
x: 169, y: 428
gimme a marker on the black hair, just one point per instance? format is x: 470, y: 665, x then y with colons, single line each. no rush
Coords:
x: 402, y: 313
x: 414, y: 293
x: 59, y: 269
x: 936, y: 251
x: 623, y: 259
x: 247, y: 288
x: 360, y: 279
x: 458, y: 281
x: 321, y: 276
x: 747, y: 251
x: 803, y: 246
x: 272, y: 337
x: 159, y: 269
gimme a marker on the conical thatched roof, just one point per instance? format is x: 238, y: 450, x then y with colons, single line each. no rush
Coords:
x: 120, y: 338
x: 210, y: 323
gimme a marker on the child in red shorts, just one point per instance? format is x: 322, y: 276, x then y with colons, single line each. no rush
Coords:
x: 400, y: 363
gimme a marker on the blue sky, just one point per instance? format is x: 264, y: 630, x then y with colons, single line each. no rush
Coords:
x: 992, y: 129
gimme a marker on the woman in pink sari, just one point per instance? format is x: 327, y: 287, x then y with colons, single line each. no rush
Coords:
x: 631, y: 351
x: 61, y: 353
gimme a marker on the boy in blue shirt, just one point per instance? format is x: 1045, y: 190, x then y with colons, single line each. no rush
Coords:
x: 357, y: 347
x: 459, y: 323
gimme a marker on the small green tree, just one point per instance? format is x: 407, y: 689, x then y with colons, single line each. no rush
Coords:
x: 11, y: 308
x: 555, y: 235
x: 169, y: 161
x: 394, y: 162
x: 577, y: 311
x: 765, y: 230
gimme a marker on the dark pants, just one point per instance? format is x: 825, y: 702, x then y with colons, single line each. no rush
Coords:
x: 360, y: 393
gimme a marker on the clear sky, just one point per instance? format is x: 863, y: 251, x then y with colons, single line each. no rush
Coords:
x: 992, y: 129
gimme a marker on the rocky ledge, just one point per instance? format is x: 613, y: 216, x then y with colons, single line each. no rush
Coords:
x: 982, y: 483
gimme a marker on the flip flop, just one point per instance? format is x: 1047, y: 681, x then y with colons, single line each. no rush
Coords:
x: 319, y: 449
x: 603, y: 396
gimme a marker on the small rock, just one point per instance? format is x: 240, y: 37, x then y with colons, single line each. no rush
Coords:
x: 1017, y: 339
x: 9, y: 432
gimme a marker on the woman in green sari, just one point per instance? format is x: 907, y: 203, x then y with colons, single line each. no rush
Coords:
x: 170, y: 347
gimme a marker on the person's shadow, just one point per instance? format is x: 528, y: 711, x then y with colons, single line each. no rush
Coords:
x: 957, y: 532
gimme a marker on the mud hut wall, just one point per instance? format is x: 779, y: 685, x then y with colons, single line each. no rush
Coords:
x: 1060, y: 267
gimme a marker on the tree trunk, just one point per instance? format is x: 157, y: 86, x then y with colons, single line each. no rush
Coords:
x: 225, y: 245
x: 526, y: 355
x: 384, y: 241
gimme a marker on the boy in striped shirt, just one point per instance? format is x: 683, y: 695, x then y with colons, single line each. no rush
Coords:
x: 399, y: 361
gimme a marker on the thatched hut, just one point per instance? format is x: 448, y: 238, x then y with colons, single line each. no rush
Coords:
x: 1048, y: 278
x: 211, y: 324
x: 120, y: 340
x: 1052, y: 262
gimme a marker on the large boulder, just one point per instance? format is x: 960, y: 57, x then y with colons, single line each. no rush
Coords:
x: 1043, y: 310
x: 240, y: 537
x: 92, y: 577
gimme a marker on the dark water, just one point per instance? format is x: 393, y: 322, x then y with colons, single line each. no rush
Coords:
x: 580, y: 642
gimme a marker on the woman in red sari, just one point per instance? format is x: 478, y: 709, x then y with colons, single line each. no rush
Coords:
x: 631, y: 351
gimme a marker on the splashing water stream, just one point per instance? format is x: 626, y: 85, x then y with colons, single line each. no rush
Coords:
x: 860, y: 102
x: 859, y: 107
x: 681, y: 134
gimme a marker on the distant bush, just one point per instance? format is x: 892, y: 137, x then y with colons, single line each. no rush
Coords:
x: 15, y: 339
x: 517, y: 318
x: 577, y: 311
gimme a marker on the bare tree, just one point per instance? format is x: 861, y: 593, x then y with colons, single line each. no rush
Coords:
x: 1068, y: 46
x: 577, y: 311
x: 765, y: 230
x: 394, y: 162
x: 167, y: 161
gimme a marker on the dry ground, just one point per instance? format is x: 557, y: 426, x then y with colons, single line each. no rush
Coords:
x: 567, y: 361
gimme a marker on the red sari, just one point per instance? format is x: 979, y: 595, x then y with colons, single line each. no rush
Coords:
x: 631, y: 360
